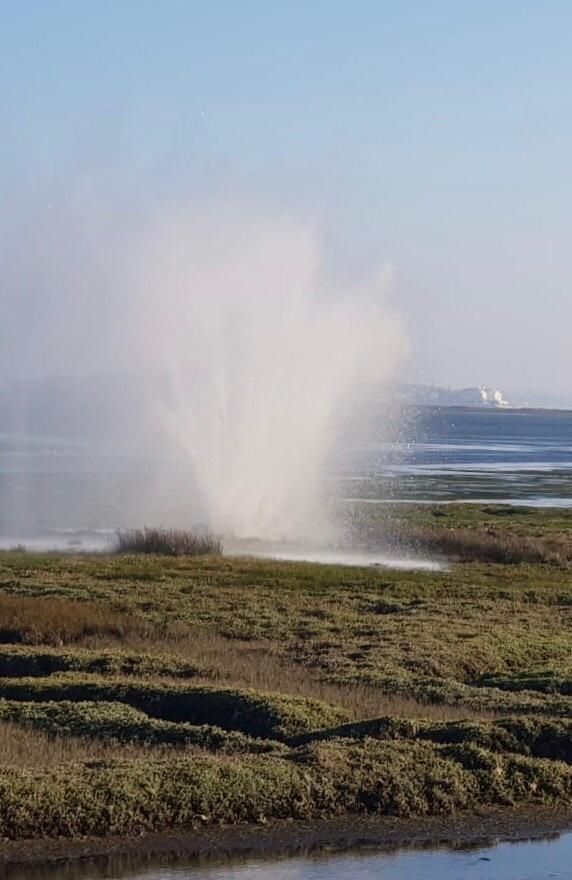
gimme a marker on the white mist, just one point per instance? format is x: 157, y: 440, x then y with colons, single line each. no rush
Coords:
x: 261, y: 354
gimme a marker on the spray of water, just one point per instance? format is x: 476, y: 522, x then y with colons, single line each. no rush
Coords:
x: 262, y: 355
x: 241, y: 347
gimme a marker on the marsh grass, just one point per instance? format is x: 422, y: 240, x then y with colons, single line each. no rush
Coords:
x: 254, y: 713
x: 32, y: 660
x: 223, y: 662
x: 384, y: 687
x: 57, y: 621
x: 489, y: 545
x: 117, y: 722
x: 489, y: 533
x: 259, y: 666
x: 27, y: 748
x: 208, y: 660
x: 325, y: 779
x: 167, y: 542
x: 373, y: 642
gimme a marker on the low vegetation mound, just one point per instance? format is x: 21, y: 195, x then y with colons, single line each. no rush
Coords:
x: 325, y: 779
x: 121, y: 723
x: 533, y: 737
x: 268, y: 716
x: 484, y: 700
x: 18, y: 661
x: 167, y: 542
x: 546, y: 682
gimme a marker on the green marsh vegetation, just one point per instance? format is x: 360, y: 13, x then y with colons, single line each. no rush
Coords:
x: 143, y: 692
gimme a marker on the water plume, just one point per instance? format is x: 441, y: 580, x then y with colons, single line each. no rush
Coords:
x: 262, y: 354
x: 214, y: 333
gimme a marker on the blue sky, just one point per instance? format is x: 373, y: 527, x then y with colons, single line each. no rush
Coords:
x: 432, y: 135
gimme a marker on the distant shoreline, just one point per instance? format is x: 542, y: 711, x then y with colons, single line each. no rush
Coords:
x: 513, y: 410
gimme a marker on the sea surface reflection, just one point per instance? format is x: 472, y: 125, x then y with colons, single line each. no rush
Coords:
x: 527, y: 860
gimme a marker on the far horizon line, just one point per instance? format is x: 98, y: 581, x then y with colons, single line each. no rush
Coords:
x: 514, y: 399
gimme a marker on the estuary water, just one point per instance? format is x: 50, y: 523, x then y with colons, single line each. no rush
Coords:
x: 529, y: 860
x: 62, y: 493
x: 524, y: 861
x: 464, y: 454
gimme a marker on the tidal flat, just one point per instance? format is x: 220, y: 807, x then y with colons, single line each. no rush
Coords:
x: 144, y: 694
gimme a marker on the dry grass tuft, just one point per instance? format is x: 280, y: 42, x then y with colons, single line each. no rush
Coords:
x: 33, y: 621
x: 235, y: 663
x: 22, y: 747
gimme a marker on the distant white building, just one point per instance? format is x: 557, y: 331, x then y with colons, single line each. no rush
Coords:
x: 492, y: 397
x: 432, y: 395
x: 479, y: 396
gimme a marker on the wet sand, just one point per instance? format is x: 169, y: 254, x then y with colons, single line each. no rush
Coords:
x: 288, y: 837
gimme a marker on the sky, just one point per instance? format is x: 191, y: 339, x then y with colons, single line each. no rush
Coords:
x: 430, y: 140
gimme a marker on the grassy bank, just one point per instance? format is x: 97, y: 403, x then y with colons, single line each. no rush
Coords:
x: 397, y: 778
x: 142, y: 692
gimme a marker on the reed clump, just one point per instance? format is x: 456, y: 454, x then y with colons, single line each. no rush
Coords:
x: 168, y: 542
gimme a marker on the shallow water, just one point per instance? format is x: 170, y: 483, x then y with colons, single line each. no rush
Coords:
x: 525, y: 861
x: 508, y: 456
x: 59, y: 494
x: 529, y: 860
